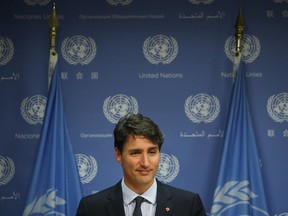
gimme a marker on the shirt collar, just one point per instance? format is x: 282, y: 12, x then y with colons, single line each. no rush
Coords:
x: 129, y: 195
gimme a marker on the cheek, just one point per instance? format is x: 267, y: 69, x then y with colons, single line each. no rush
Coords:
x: 157, y: 158
x: 131, y: 163
x: 155, y: 161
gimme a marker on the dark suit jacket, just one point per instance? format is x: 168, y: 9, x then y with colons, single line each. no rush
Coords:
x: 170, y: 201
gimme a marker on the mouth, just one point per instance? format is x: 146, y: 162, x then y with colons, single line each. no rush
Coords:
x: 143, y: 172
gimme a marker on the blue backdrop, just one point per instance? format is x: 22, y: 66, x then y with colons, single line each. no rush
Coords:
x: 169, y: 60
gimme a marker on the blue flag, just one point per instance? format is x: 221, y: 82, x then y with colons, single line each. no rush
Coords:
x: 55, y: 188
x: 240, y: 189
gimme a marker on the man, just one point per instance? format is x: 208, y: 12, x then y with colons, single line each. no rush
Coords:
x: 137, y: 145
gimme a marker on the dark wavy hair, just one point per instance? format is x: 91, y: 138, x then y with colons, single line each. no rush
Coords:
x: 136, y: 125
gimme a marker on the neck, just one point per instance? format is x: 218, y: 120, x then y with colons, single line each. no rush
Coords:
x: 139, y: 189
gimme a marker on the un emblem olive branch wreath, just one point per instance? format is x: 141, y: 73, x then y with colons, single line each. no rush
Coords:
x: 276, y: 107
x: 208, y: 119
x: 7, y: 168
x: 7, y: 50
x: 169, y: 56
x: 231, y: 193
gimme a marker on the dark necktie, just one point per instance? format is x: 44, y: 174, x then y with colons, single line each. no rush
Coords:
x: 137, y: 210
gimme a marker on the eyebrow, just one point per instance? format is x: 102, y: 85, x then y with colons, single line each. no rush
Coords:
x: 153, y: 148
x: 149, y: 149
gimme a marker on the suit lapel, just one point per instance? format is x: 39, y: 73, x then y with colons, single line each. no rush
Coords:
x: 165, y: 203
x: 115, y: 202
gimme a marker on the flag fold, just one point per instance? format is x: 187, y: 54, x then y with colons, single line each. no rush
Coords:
x: 55, y: 187
x: 240, y: 189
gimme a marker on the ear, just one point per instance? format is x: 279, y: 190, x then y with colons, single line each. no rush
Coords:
x: 117, y: 154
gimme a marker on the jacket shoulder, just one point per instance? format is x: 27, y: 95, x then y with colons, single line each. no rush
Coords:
x: 105, y: 193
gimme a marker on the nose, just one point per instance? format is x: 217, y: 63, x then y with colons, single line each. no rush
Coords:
x: 144, y: 160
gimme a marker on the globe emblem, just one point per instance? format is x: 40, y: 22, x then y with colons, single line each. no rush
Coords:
x: 6, y: 50
x: 202, y: 108
x: 168, y: 168
x: 33, y: 109
x: 7, y: 170
x: 78, y: 50
x: 160, y: 49
x: 87, y: 167
x: 118, y: 106
x: 250, y: 48
x: 277, y: 107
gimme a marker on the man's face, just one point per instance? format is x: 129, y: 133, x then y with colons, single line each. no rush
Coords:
x: 140, y: 162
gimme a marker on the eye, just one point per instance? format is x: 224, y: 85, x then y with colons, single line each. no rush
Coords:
x: 135, y: 153
x: 153, y: 151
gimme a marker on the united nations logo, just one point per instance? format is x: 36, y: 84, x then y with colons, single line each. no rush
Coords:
x: 33, y: 109
x: 6, y: 50
x: 250, y: 48
x: 235, y: 196
x: 78, y: 50
x: 37, y: 2
x: 87, y: 167
x: 7, y: 170
x: 121, y: 2
x: 202, y: 108
x: 277, y: 107
x: 46, y: 204
x: 118, y: 106
x: 197, y: 2
x: 160, y: 49
x: 168, y: 168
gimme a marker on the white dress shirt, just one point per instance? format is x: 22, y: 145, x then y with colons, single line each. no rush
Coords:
x: 148, y: 206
